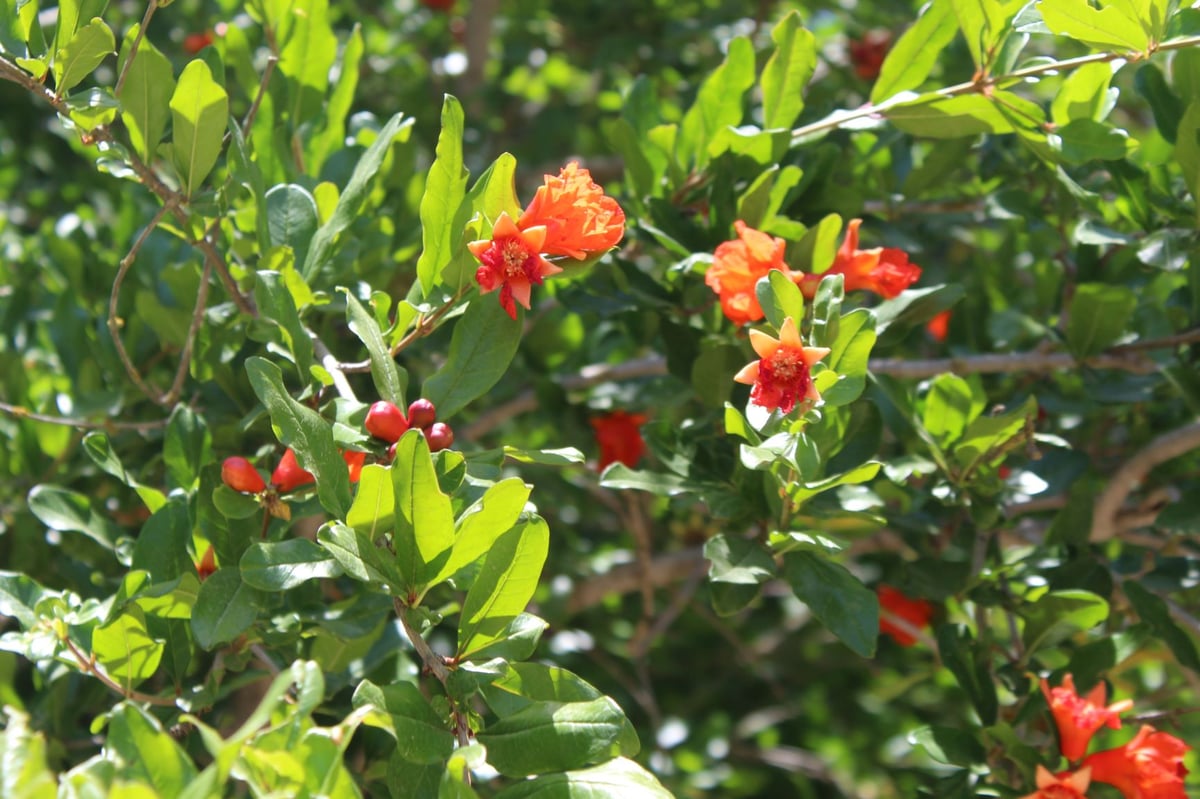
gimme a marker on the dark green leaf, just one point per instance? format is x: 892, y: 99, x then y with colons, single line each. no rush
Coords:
x: 291, y: 218
x: 734, y: 559
x: 162, y: 544
x: 421, y: 734
x: 836, y: 597
x: 69, y: 511
x: 188, y: 446
x: 278, y: 566
x: 962, y: 656
x: 1099, y: 315
x: 482, y: 346
x: 553, y: 736
x: 225, y: 608
x: 1154, y: 611
x: 948, y: 745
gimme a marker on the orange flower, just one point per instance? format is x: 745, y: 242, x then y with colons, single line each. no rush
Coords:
x: 783, y: 374
x: 354, y: 462
x: 737, y: 266
x: 1064, y: 786
x: 579, y: 218
x: 915, y: 612
x: 1148, y: 767
x: 619, y: 438
x: 1078, y: 717
x: 511, y: 262
x: 885, y: 271
x: 939, y: 326
x: 289, y: 475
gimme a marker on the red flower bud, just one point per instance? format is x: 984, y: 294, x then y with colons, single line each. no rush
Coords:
x: 240, y: 475
x: 386, y: 421
x: 421, y: 413
x: 288, y: 475
x: 354, y: 462
x: 440, y: 436
x: 195, y: 42
x: 207, y: 564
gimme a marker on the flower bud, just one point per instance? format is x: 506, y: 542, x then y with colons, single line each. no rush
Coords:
x: 386, y: 421
x: 288, y: 475
x: 440, y: 436
x: 421, y: 413
x: 240, y: 475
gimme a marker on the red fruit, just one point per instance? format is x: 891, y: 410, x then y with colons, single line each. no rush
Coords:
x: 421, y: 413
x: 386, y: 421
x: 439, y: 435
x: 240, y: 475
x: 391, y: 454
x: 288, y: 475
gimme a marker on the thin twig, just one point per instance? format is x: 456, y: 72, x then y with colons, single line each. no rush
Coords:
x: 426, y: 324
x: 151, y: 7
x: 82, y: 424
x: 185, y: 357
x: 1163, y: 448
x: 114, y: 321
x: 88, y: 665
x: 269, y: 70
x: 332, y: 366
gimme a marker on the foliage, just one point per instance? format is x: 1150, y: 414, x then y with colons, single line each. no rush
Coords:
x: 230, y: 230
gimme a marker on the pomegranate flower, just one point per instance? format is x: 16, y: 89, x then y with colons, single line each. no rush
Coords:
x: 1064, y: 786
x: 580, y: 220
x: 1078, y: 717
x: 915, y: 612
x: 783, y: 374
x: 620, y: 438
x: 885, y: 271
x: 737, y: 266
x: 511, y: 262
x: 1148, y: 767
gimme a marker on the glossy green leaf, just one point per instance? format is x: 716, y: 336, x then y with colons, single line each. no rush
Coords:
x: 787, y: 72
x: 374, y: 509
x: 149, y: 753
x: 280, y: 565
x: 482, y: 346
x: 90, y: 45
x: 125, y: 648
x: 846, y: 375
x: 837, y: 598
x: 306, y: 56
x: 553, y: 736
x: 1084, y: 94
x: 948, y: 745
x: 989, y: 437
x: 225, y: 608
x: 360, y: 556
x: 445, y: 187
x: 619, y: 778
x: 291, y: 218
x: 1153, y: 610
x: 949, y: 117
x: 949, y: 408
x: 1099, y: 315
x: 779, y: 298
x: 962, y: 656
x: 504, y: 585
x: 199, y: 112
x: 390, y: 382
x: 914, y: 55
x: 275, y: 303
x: 483, y: 522
x: 718, y: 103
x: 1060, y: 614
x: 423, y: 515
x: 404, y: 713
x: 984, y: 24
x: 99, y: 449
x: 70, y: 511
x: 1105, y: 28
x: 735, y: 559
x: 354, y: 195
x: 146, y: 94
x: 188, y: 446
x: 162, y: 543
x: 303, y: 429
x: 916, y: 306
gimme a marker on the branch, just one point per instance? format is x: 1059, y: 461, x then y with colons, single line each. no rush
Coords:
x: 21, y: 412
x: 151, y: 7
x: 1162, y: 449
x: 87, y: 664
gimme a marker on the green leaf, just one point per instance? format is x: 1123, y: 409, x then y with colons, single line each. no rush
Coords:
x: 504, y: 586
x: 275, y: 303
x: 949, y: 408
x: 125, y: 649
x: 199, y: 111
x: 948, y: 745
x: 845, y: 377
x: 389, y: 381
x: 445, y: 187
x: 278, y: 566
x: 1058, y: 615
x: 162, y: 543
x: 188, y: 446
x: 1104, y: 29
x: 359, y: 556
x: 734, y: 559
x: 374, y: 510
x: 480, y: 525
x: 989, y: 437
x: 291, y: 218
x: 423, y: 515
x: 949, y: 117
x: 962, y: 656
x: 98, y: 448
x: 482, y: 346
x: 518, y: 641
x: 915, y: 53
x: 779, y: 298
x: 619, y: 778
x: 1086, y: 140
x: 149, y: 754
x: 916, y: 306
x: 553, y: 736
x: 1153, y: 610
x: 19, y: 595
x: 1098, y: 317
x: 145, y: 95
x: 305, y: 431
x: 1084, y: 94
x: 787, y: 72
x: 404, y: 713
x: 836, y: 597
x: 23, y: 769
x: 718, y: 104
x: 984, y: 24
x: 69, y: 511
x: 815, y: 252
x: 225, y: 608
x: 308, y: 53
x: 354, y: 196
x: 1187, y: 149
x: 90, y: 45
x: 620, y: 476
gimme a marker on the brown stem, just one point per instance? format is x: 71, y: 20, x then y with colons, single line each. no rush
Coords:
x: 88, y: 665
x: 115, y: 322
x: 268, y: 70
x: 151, y: 7
x: 83, y: 424
x: 185, y: 357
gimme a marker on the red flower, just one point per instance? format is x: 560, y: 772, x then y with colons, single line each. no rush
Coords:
x: 354, y: 462
x: 619, y: 438
x: 1078, y: 717
x: 939, y: 327
x: 288, y: 475
x: 913, y: 612
x: 885, y: 271
x: 579, y: 218
x: 1065, y: 786
x: 195, y: 42
x: 1148, y: 767
x: 737, y: 266
x: 207, y: 564
x: 867, y: 53
x: 783, y: 374
x: 511, y: 262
